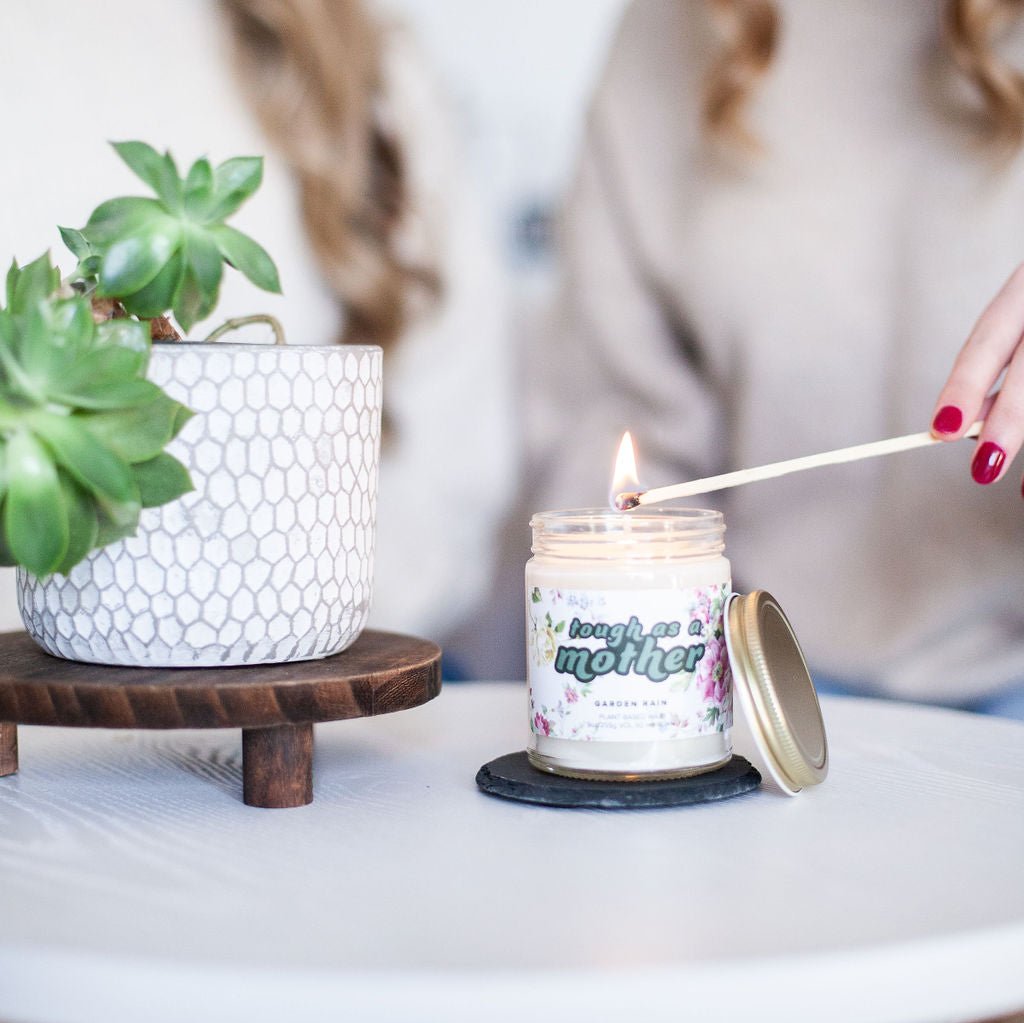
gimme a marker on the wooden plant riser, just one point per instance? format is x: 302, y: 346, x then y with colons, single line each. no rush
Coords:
x: 275, y: 705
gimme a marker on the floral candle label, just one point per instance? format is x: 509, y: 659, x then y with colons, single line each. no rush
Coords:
x: 628, y: 665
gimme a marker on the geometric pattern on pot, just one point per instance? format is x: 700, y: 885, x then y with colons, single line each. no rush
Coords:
x: 270, y: 558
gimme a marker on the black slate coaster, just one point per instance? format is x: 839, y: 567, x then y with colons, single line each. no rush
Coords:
x: 513, y: 777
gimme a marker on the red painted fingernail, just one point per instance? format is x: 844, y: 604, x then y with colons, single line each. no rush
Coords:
x: 948, y: 419
x: 987, y: 462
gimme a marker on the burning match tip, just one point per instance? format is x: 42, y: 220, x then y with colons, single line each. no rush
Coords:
x: 627, y: 501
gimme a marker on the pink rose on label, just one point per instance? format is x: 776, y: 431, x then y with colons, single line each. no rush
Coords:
x: 711, y: 675
x: 571, y: 696
x: 541, y: 725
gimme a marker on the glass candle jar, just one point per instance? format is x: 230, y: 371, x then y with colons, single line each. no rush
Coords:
x: 626, y: 663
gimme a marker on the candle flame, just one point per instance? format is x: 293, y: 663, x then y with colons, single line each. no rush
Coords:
x: 624, y: 478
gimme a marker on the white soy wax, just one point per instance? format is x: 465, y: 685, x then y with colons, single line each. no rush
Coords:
x: 627, y: 670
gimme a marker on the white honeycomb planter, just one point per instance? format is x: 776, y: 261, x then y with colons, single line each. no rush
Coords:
x: 271, y: 557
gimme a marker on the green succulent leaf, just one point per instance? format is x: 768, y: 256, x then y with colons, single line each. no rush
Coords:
x: 159, y: 172
x: 198, y: 190
x: 11, y: 282
x: 108, y: 532
x: 51, y: 337
x: 129, y: 335
x: 161, y: 479
x: 181, y: 417
x: 76, y: 242
x: 204, y: 256
x: 157, y: 297
x: 40, y: 359
x: 12, y: 374
x: 33, y: 341
x: 235, y: 181
x: 136, y: 434
x: 31, y: 284
x: 200, y: 177
x: 134, y: 260
x: 90, y: 266
x: 117, y: 218
x: 107, y: 395
x: 200, y: 283
x: 35, y: 515
x: 70, y: 323
x: 188, y: 300
x: 83, y: 525
x: 108, y: 374
x: 248, y: 256
x: 93, y: 465
x: 8, y: 330
x: 84, y: 277
x: 7, y: 558
x: 100, y: 370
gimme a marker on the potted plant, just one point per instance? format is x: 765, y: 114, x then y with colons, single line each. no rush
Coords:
x: 172, y: 502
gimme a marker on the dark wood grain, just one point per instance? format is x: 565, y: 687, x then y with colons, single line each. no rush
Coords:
x: 380, y: 673
x: 275, y: 705
x: 8, y: 748
x: 277, y: 766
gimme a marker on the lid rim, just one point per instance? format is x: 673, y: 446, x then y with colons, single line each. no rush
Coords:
x: 770, y: 704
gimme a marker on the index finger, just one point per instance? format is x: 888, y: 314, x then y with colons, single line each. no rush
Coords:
x: 985, y: 354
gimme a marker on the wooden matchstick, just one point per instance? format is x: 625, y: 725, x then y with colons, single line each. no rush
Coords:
x: 770, y: 471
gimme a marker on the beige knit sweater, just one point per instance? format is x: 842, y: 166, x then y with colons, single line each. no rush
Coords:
x: 809, y: 299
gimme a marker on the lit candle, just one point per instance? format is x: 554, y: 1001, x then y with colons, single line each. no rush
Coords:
x: 627, y: 669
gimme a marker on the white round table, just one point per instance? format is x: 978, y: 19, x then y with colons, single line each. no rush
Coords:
x: 135, y: 885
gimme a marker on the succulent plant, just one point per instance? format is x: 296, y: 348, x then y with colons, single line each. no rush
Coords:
x: 82, y: 431
x: 168, y: 253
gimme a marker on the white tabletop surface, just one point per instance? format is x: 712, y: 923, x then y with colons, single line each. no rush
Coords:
x: 136, y: 886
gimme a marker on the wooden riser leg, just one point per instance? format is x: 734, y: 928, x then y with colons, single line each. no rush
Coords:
x: 8, y: 748
x: 277, y: 766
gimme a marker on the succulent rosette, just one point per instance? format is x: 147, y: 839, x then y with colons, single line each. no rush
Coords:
x: 167, y: 252
x: 82, y: 431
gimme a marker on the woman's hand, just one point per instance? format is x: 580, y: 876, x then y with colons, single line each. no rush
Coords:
x: 995, y: 344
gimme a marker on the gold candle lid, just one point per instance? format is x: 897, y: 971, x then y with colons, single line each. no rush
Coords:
x: 774, y: 688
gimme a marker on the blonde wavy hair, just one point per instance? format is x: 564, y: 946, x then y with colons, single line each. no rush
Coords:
x: 750, y: 32
x: 312, y: 71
